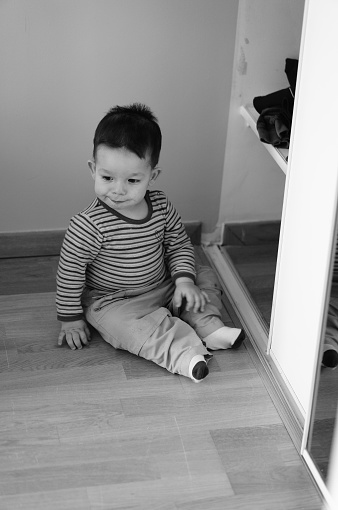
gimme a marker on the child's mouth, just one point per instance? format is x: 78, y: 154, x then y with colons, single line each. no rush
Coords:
x: 117, y: 201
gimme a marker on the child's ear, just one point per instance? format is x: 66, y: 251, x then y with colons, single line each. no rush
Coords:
x: 154, y: 174
x: 91, y: 165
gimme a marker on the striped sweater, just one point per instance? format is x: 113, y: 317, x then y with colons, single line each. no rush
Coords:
x: 105, y: 251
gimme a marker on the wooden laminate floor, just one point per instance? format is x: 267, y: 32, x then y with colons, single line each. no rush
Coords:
x: 103, y: 429
x: 255, y: 262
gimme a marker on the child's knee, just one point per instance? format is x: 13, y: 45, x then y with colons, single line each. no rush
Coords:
x: 206, y: 278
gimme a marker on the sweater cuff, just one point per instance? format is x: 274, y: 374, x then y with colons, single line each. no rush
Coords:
x: 70, y: 318
x: 184, y: 274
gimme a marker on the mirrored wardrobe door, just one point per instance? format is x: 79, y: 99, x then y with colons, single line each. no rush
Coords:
x: 322, y: 423
x: 332, y: 477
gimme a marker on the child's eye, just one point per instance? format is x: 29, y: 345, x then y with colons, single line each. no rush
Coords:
x: 133, y: 181
x: 107, y: 178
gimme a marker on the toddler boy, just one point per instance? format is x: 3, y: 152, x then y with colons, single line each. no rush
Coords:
x: 127, y: 266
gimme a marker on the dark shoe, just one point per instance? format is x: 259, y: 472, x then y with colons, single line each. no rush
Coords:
x: 238, y: 342
x: 200, y: 371
x: 276, y: 99
x: 330, y: 358
x: 291, y: 68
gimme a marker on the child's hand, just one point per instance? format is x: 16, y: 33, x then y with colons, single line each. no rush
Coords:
x: 76, y: 333
x: 196, y: 299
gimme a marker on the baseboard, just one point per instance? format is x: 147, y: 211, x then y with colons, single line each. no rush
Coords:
x: 31, y: 244
x: 47, y: 243
x: 251, y: 233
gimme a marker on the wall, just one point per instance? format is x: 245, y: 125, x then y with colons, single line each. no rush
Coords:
x: 267, y: 34
x: 66, y: 62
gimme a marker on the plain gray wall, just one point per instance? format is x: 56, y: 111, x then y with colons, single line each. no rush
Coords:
x: 66, y: 62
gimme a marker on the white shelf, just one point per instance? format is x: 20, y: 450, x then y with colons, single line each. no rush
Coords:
x: 250, y: 116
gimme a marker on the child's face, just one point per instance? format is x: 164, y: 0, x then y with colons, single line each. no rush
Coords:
x: 121, y: 178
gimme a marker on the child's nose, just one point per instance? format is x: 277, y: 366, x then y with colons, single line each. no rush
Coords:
x: 119, y: 188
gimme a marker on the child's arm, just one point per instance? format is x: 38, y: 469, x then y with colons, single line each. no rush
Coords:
x: 180, y: 260
x: 179, y: 252
x: 76, y: 334
x: 196, y: 299
x: 80, y: 247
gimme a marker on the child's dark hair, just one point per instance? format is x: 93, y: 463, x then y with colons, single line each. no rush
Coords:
x: 132, y: 127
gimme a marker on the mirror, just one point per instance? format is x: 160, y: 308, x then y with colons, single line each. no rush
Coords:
x: 325, y: 398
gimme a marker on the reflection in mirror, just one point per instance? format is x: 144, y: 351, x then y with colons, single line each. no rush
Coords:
x: 326, y: 394
x: 252, y: 249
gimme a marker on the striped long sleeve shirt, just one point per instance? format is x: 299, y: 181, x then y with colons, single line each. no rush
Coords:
x: 105, y: 251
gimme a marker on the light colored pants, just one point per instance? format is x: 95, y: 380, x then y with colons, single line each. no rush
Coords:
x: 142, y: 322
